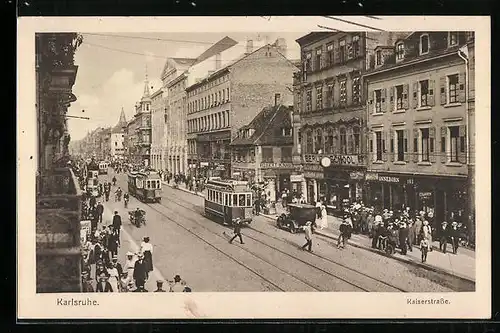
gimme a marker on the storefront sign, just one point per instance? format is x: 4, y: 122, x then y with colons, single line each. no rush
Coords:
x: 236, y: 173
x: 314, y: 175
x: 276, y: 165
x: 296, y: 178
x: 424, y: 195
x: 357, y: 175
x: 313, y: 168
x: 388, y: 179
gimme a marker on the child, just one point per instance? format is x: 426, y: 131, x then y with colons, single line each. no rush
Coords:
x: 424, y: 247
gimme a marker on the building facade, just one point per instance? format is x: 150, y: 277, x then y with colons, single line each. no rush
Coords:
x: 142, y: 125
x: 418, y: 122
x: 330, y: 101
x: 157, y: 130
x: 117, y: 137
x: 262, y: 150
x: 219, y: 104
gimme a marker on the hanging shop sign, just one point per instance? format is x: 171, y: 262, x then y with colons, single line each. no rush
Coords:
x: 314, y: 175
x: 424, y: 195
x: 357, y: 175
x: 296, y: 178
x: 313, y: 168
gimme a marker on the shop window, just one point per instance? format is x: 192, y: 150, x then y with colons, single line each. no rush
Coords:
x: 319, y: 98
x: 379, y: 145
x: 343, y: 141
x: 453, y: 88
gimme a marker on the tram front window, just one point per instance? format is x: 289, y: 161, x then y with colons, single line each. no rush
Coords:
x: 241, y: 201
x: 249, y: 200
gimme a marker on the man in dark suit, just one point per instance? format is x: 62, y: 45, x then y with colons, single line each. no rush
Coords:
x: 103, y: 286
x: 140, y: 272
x: 117, y: 223
x: 443, y: 236
x: 99, y: 209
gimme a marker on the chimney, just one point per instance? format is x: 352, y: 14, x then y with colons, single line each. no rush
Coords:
x: 249, y: 46
x: 218, y: 61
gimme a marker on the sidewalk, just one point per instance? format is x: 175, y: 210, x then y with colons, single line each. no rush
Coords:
x: 461, y: 265
x: 183, y: 187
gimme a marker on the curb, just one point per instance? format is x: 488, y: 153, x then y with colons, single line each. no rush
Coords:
x: 183, y: 189
x: 407, y: 261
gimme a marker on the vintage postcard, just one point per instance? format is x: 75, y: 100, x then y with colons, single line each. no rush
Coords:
x: 254, y: 167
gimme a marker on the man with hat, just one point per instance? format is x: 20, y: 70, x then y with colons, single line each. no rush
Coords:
x: 86, y: 282
x: 443, y: 236
x: 140, y: 271
x: 103, y: 286
x: 117, y: 223
x: 308, y: 234
x: 177, y: 285
x: 159, y: 286
x: 345, y: 232
x: 99, y: 210
x: 403, y: 235
x: 237, y: 231
x: 454, y: 234
x: 116, y: 264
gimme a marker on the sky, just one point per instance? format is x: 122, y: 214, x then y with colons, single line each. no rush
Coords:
x: 112, y: 69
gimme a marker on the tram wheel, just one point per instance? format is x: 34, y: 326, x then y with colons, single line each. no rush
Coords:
x: 292, y: 229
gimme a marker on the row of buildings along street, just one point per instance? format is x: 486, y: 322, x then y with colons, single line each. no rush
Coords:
x: 386, y: 118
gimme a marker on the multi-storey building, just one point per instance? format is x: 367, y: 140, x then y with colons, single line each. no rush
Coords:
x: 262, y: 150
x: 157, y: 129
x: 105, y: 144
x: 142, y: 125
x: 230, y: 96
x: 330, y: 100
x: 418, y: 121
x: 117, y: 137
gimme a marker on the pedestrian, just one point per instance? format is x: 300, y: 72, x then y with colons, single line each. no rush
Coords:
x: 140, y: 271
x: 113, y: 243
x: 324, y: 218
x: 124, y: 282
x: 403, y: 236
x: 418, y: 228
x: 129, y: 265
x: 257, y: 206
x: 117, y: 265
x: 454, y: 234
x: 113, y: 277
x: 177, y: 285
x: 92, y: 202
x: 99, y: 209
x: 237, y: 231
x: 345, y: 233
x: 159, y: 286
x: 86, y: 283
x: 427, y: 234
x: 424, y: 248
x: 411, y: 234
x: 443, y: 236
x: 117, y: 223
x: 147, y: 250
x: 370, y: 221
x: 318, y: 209
x: 103, y: 286
x: 308, y: 234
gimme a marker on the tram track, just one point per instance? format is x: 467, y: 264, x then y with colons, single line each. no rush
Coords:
x: 384, y: 284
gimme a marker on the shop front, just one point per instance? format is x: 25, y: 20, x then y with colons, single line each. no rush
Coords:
x: 341, y: 187
x: 278, y: 177
x: 442, y: 197
x: 245, y: 174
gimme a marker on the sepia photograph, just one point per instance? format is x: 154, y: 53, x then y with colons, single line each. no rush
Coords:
x: 338, y: 157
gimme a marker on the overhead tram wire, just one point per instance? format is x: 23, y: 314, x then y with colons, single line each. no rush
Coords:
x: 354, y: 23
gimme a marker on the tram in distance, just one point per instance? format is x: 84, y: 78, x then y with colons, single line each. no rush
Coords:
x: 92, y: 178
x: 227, y: 200
x: 145, y: 185
x: 103, y: 168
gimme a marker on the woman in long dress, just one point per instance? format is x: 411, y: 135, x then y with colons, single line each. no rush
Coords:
x: 113, y: 278
x: 147, y: 250
x: 324, y: 218
x: 427, y: 234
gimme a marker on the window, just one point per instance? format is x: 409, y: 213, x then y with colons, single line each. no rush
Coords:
x: 356, y: 95
x: 319, y: 98
x: 318, y: 142
x: 267, y: 155
x: 343, y: 141
x: 286, y: 154
x: 308, y: 62
x: 309, y: 142
x: 401, y: 144
x: 426, y: 150
x: 228, y: 97
x: 317, y: 61
x: 424, y: 93
x: 342, y: 51
x: 400, y: 51
x: 453, y: 88
x: 452, y: 38
x: 343, y: 93
x: 399, y: 97
x: 308, y: 100
x: 329, y: 141
x: 455, y: 143
x: 356, y: 139
x: 355, y: 46
x: 287, y: 131
x: 223, y: 95
x: 379, y: 145
x: 329, y: 55
x: 116, y: 144
x: 378, y: 101
x: 424, y: 44
x: 329, y: 95
x: 378, y: 58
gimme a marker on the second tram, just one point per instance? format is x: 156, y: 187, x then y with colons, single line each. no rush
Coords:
x: 103, y: 168
x: 227, y: 200
x: 145, y: 186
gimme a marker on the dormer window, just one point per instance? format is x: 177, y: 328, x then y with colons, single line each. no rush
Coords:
x: 424, y: 44
x: 452, y: 38
x: 286, y: 131
x: 400, y: 51
x: 378, y: 58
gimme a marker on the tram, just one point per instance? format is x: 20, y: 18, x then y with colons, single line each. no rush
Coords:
x: 93, y: 178
x: 145, y: 185
x: 228, y: 199
x: 103, y: 168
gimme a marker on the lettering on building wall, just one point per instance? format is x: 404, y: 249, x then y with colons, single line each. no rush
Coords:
x: 276, y: 165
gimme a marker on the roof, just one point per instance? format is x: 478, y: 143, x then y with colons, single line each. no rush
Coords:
x: 122, y: 122
x: 220, y: 46
x: 264, y: 124
x: 184, y: 61
x: 313, y: 36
